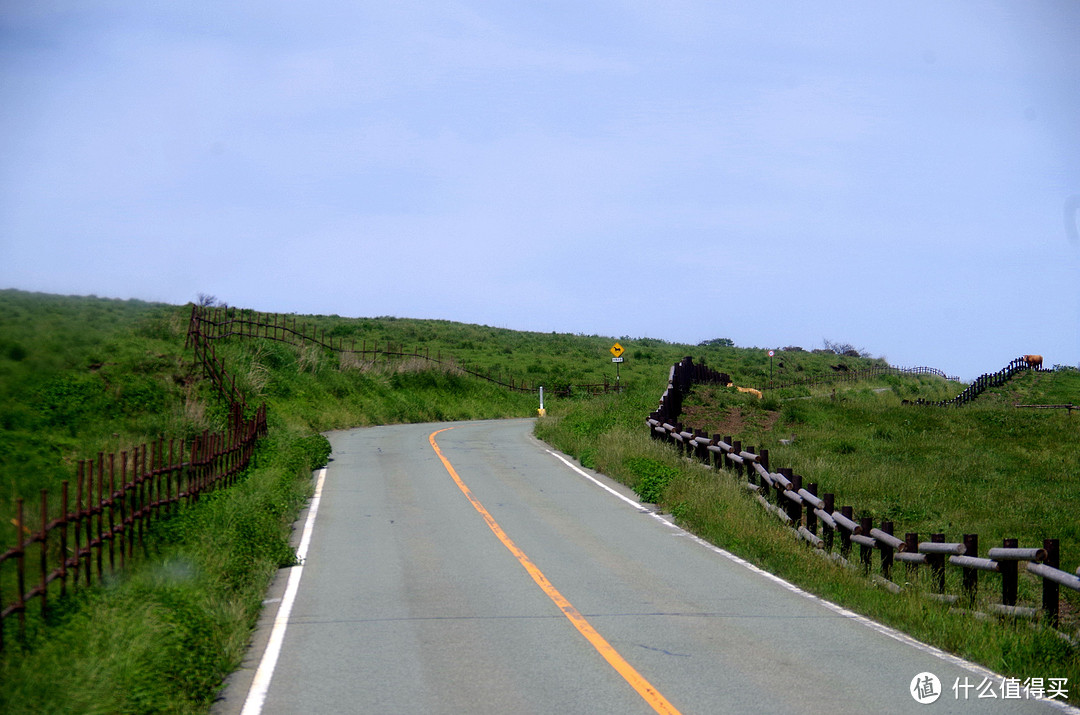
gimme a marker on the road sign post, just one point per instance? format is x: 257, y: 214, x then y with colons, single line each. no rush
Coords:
x: 617, y: 350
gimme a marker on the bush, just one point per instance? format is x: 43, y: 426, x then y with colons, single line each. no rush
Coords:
x: 652, y: 477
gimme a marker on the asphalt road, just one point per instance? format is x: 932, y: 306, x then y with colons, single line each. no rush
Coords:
x: 434, y: 586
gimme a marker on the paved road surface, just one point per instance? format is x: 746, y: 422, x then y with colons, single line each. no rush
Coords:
x: 409, y: 601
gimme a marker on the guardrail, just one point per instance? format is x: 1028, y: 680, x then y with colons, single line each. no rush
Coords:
x: 783, y: 493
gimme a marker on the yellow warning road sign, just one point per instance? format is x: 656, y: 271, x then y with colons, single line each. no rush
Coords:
x: 617, y: 350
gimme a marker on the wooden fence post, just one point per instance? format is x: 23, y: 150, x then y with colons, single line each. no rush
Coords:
x: 794, y: 509
x: 887, y: 551
x: 780, y: 500
x: 811, y: 517
x: 911, y: 539
x: 717, y: 458
x: 1009, y: 575
x: 970, y: 575
x: 828, y: 506
x: 845, y: 535
x: 866, y: 552
x: 937, y: 564
x: 1050, y: 589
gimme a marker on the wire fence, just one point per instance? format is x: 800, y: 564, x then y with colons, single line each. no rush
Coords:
x: 841, y: 373
x: 210, y: 324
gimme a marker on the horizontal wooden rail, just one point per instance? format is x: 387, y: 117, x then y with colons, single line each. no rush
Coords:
x: 816, y: 520
x: 982, y: 383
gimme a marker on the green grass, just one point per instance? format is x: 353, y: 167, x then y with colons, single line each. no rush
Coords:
x: 162, y: 636
x: 82, y: 375
x: 987, y: 468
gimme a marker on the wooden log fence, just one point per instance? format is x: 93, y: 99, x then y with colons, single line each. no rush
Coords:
x: 116, y: 498
x: 981, y: 384
x: 818, y: 522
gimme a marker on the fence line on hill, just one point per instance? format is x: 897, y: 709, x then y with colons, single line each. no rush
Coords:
x: 209, y: 324
x: 783, y: 493
x: 133, y: 488
x: 118, y: 495
x: 982, y: 383
x: 843, y: 374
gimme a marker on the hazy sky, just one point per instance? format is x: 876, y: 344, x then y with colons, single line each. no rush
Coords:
x: 892, y: 175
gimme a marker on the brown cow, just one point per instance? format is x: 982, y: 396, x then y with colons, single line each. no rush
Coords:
x: 1033, y: 360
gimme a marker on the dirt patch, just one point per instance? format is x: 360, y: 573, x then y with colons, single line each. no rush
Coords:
x: 730, y: 422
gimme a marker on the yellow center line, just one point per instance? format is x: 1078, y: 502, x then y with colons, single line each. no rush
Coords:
x: 645, y: 689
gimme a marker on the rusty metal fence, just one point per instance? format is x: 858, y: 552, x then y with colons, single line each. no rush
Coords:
x: 94, y: 529
x: 211, y: 324
x: 109, y: 508
x: 836, y: 531
x: 842, y: 374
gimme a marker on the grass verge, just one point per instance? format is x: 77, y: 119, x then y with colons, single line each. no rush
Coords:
x: 608, y: 435
x: 160, y: 637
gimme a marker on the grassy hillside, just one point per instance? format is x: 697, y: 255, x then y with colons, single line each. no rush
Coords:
x: 82, y: 375
x: 986, y: 468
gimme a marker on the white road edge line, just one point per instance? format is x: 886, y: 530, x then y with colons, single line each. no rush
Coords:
x: 873, y: 625
x: 261, y: 683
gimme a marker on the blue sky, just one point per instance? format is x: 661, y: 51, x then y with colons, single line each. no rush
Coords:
x: 892, y: 175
